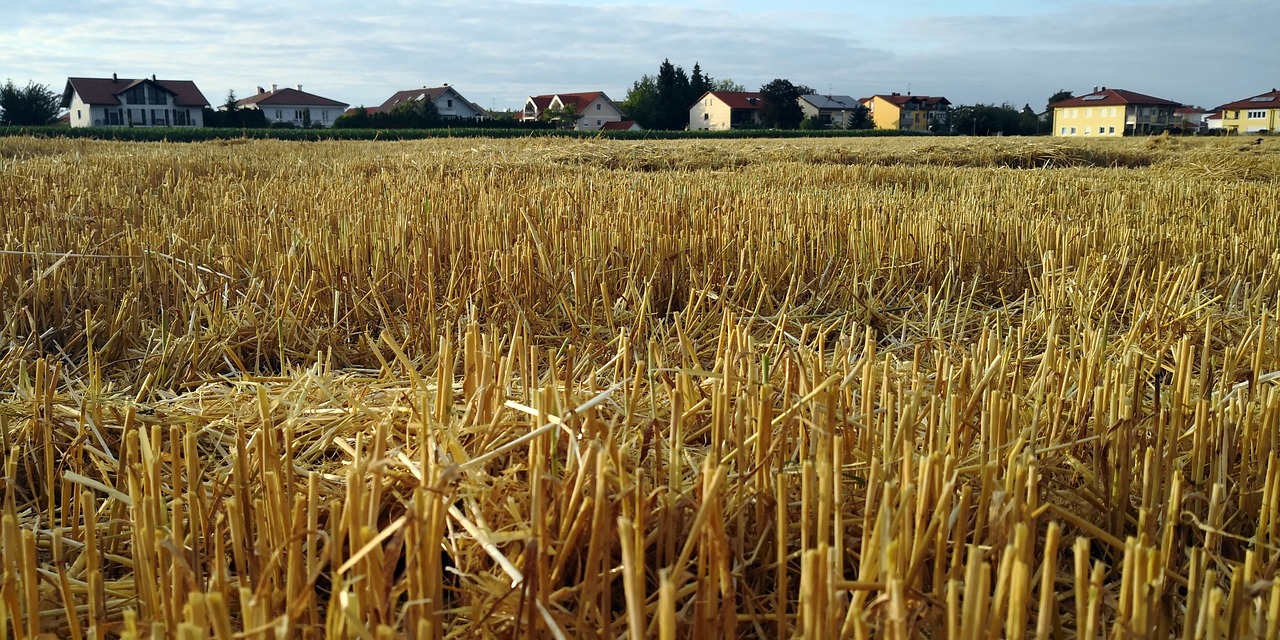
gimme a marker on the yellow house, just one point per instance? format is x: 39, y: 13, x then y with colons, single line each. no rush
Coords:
x: 906, y: 113
x: 1112, y: 112
x: 1259, y: 114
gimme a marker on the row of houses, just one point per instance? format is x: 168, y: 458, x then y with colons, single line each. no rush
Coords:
x: 150, y: 102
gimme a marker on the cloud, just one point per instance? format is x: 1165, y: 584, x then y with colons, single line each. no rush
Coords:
x: 499, y: 51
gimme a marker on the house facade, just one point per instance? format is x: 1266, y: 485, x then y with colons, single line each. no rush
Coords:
x: 1257, y: 114
x: 829, y: 111
x: 724, y: 110
x: 591, y: 110
x: 126, y: 102
x: 1113, y: 112
x: 294, y: 106
x: 907, y: 112
x: 450, y: 104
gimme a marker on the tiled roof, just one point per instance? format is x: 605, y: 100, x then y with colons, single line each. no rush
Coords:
x: 580, y: 101
x: 1111, y: 97
x: 738, y: 99
x: 899, y: 99
x: 830, y: 102
x: 105, y: 91
x: 1269, y: 100
x: 290, y: 97
x: 621, y: 125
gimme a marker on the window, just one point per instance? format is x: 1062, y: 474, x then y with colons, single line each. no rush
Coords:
x: 156, y: 95
x: 297, y: 115
x: 1086, y: 131
x: 1073, y: 131
x: 1257, y: 115
x: 597, y: 121
x: 449, y: 103
x: 279, y: 115
x: 597, y: 106
x: 1064, y: 131
x: 77, y: 114
x: 1111, y: 129
x: 135, y: 96
x: 1088, y: 113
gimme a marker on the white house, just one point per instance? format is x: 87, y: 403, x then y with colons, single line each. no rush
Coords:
x: 294, y: 106
x: 124, y: 102
x: 830, y: 111
x: 722, y: 110
x: 449, y: 103
x: 593, y: 109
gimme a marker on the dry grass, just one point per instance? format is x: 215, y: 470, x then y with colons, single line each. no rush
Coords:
x: 547, y: 388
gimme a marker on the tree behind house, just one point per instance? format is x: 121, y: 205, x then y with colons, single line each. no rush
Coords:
x: 780, y: 108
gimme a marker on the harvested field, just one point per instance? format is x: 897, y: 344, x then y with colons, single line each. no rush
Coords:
x: 882, y: 388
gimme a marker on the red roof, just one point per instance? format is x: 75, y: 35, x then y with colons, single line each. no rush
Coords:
x: 750, y: 100
x: 1269, y: 100
x: 289, y: 97
x: 105, y: 91
x: 621, y: 125
x: 899, y: 99
x: 1110, y: 97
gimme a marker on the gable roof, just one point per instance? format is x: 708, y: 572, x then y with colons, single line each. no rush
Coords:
x: 620, y: 125
x: 750, y: 100
x: 898, y: 99
x: 425, y: 93
x: 290, y: 97
x: 1268, y: 100
x: 580, y: 101
x: 1111, y: 97
x: 106, y: 91
x: 830, y: 102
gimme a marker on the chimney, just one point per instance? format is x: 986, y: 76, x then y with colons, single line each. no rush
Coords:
x: 153, y: 77
x: 1095, y: 88
x: 446, y: 84
x: 114, y: 78
x: 299, y: 87
x: 261, y: 90
x: 273, y: 87
x: 1104, y: 88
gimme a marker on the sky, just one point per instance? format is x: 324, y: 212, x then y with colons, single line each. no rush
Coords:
x: 498, y: 52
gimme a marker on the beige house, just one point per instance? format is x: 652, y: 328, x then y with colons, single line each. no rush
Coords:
x: 724, y: 110
x: 449, y: 103
x: 591, y: 110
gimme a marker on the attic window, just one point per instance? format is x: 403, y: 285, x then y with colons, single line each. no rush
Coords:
x: 1094, y: 97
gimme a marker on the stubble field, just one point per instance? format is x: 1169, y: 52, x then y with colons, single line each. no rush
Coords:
x: 882, y: 388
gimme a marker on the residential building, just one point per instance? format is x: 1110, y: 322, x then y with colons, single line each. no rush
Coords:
x: 1258, y: 114
x: 1113, y: 112
x: 591, y: 110
x: 450, y: 104
x: 294, y: 106
x: 622, y: 125
x: 125, y: 102
x: 724, y: 110
x: 907, y: 112
x: 829, y: 111
x: 1213, y: 122
x: 1189, y: 119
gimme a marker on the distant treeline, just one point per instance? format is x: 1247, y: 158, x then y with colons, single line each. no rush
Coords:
x: 194, y: 134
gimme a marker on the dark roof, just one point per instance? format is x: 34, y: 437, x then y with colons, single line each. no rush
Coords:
x: 424, y: 93
x: 290, y: 97
x: 899, y: 99
x: 105, y: 91
x: 830, y: 102
x: 1269, y: 100
x: 1112, y: 97
x: 738, y: 99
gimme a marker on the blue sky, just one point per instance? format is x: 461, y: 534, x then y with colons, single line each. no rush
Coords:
x: 496, y: 52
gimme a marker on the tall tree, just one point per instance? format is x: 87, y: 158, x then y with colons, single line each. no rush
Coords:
x: 1030, y: 121
x: 641, y: 103
x: 781, y: 106
x: 673, y: 97
x: 860, y: 117
x: 33, y: 105
x: 699, y: 82
x: 1060, y: 95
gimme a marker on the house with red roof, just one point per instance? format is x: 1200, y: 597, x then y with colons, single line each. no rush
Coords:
x: 900, y: 112
x: 590, y: 111
x: 126, y: 102
x: 450, y: 104
x: 1256, y: 114
x: 724, y: 110
x: 294, y: 106
x: 1113, y: 112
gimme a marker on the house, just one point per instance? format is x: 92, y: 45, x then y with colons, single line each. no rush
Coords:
x: 1213, y: 122
x: 125, y: 102
x: 449, y: 103
x: 1189, y: 119
x: 829, y: 111
x: 591, y: 110
x: 294, y: 106
x: 724, y: 110
x: 907, y: 112
x: 1258, y: 114
x: 1113, y: 112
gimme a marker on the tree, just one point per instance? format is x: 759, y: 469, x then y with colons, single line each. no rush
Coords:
x: 699, y: 82
x: 727, y: 84
x: 563, y: 116
x: 33, y: 105
x: 1062, y: 94
x: 781, y: 107
x: 986, y: 120
x: 860, y: 117
x: 674, y: 97
x: 1030, y: 121
x: 641, y: 103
